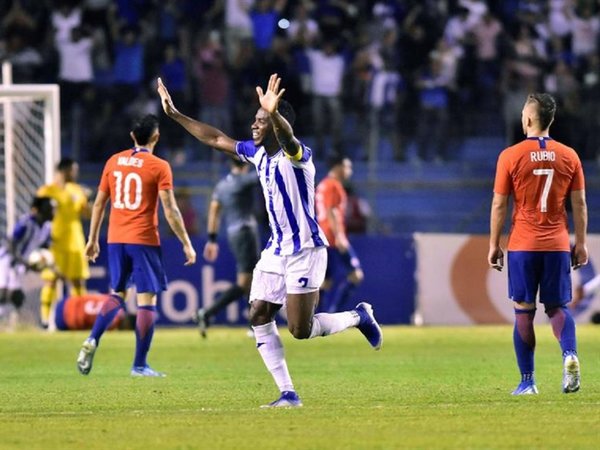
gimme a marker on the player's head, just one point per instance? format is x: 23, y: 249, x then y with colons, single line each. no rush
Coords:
x: 538, y: 112
x: 340, y: 165
x: 69, y: 169
x: 43, y: 208
x: 238, y: 165
x: 145, y: 131
x: 262, y: 128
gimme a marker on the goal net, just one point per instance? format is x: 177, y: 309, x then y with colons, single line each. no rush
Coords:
x: 29, y: 150
x: 29, y: 146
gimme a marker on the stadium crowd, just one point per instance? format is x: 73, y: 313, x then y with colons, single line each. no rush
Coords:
x: 361, y: 70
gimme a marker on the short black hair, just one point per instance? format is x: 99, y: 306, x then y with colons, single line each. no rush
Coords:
x: 335, y: 160
x: 546, y: 108
x: 41, y: 203
x: 143, y: 128
x: 65, y: 163
x: 287, y: 111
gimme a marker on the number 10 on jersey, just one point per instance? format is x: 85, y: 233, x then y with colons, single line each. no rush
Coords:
x: 126, y: 188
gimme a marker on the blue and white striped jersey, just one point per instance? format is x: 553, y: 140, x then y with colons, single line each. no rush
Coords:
x: 289, y: 190
x: 28, y: 235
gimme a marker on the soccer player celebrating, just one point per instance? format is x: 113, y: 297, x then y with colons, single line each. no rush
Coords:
x: 133, y: 180
x: 331, y: 211
x: 292, y: 265
x: 68, y: 240
x: 540, y: 174
x: 233, y: 198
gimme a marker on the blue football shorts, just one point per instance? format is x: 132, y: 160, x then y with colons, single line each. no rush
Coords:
x: 341, y: 262
x: 549, y: 272
x: 136, y: 264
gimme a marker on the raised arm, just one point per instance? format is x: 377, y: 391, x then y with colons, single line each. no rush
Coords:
x: 580, y: 218
x: 205, y: 133
x: 92, y: 248
x: 175, y: 220
x: 211, y: 249
x: 497, y: 218
x: 269, y: 100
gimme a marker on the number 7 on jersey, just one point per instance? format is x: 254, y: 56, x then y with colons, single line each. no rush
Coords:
x: 549, y: 173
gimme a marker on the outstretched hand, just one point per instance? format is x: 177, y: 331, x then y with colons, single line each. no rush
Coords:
x: 165, y: 99
x: 270, y: 99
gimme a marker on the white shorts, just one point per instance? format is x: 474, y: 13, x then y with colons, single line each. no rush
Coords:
x: 276, y: 276
x: 10, y: 277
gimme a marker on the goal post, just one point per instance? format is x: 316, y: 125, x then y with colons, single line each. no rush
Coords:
x: 29, y: 144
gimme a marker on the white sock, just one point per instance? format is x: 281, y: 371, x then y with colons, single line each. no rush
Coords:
x: 324, y: 324
x: 270, y: 348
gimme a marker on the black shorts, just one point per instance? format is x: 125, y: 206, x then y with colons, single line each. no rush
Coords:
x: 244, y: 244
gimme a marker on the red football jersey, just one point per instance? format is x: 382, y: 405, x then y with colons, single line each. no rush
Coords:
x: 540, y: 173
x: 331, y: 194
x: 133, y: 179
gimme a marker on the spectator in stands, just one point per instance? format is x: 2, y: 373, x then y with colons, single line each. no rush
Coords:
x: 264, y: 17
x: 383, y: 97
x: 560, y: 18
x: 327, y: 69
x: 238, y: 26
x: 75, y: 67
x: 486, y: 34
x: 590, y: 108
x: 65, y: 18
x: 30, y: 17
x: 245, y: 75
x: 303, y: 26
x: 128, y: 69
x: 173, y: 69
x: 522, y: 72
x: 433, y: 113
x: 562, y: 84
x: 169, y: 17
x: 26, y: 60
x: 213, y: 83
x: 458, y: 27
x: 586, y: 30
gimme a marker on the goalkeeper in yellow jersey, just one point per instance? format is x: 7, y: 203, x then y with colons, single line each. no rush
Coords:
x: 68, y: 242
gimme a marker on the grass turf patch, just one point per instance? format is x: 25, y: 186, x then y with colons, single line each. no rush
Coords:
x: 426, y: 388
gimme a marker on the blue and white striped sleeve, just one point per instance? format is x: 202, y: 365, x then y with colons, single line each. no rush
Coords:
x: 246, y: 150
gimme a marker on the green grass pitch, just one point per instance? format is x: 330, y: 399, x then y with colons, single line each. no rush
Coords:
x: 427, y: 388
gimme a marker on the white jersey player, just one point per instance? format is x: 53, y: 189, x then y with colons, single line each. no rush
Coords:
x: 31, y: 232
x: 292, y: 266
